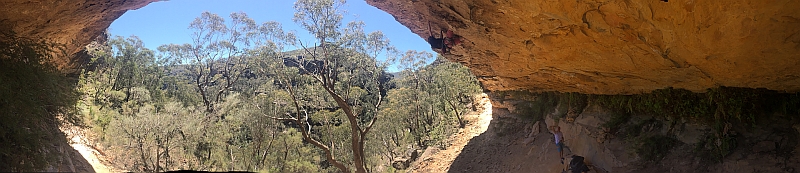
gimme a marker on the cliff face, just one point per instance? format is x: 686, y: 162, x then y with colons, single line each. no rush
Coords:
x: 71, y: 24
x: 616, y: 47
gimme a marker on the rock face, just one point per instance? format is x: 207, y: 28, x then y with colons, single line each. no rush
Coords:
x: 72, y: 24
x: 616, y: 47
x: 596, y: 46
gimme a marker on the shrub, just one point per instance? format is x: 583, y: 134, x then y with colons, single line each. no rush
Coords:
x: 540, y: 104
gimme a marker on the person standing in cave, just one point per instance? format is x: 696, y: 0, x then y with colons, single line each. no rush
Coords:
x: 559, y: 139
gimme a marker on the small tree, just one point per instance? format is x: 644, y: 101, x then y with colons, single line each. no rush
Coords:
x: 343, y: 65
x: 455, y: 86
x: 416, y: 82
x: 217, y: 54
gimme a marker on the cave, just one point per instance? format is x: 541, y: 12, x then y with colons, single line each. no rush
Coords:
x: 521, y: 46
x: 592, y: 47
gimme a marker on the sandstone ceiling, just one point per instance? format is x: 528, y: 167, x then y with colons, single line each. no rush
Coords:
x: 600, y: 47
x: 71, y: 23
x: 616, y: 46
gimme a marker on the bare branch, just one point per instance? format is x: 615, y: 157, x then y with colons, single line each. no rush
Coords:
x: 282, y: 119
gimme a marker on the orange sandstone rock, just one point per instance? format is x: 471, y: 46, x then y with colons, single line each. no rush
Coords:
x: 616, y: 47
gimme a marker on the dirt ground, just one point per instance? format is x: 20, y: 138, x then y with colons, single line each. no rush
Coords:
x: 478, y: 148
x: 493, y: 142
x: 435, y: 160
x: 79, y: 142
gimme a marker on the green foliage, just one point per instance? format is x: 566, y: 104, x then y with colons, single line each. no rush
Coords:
x: 36, y: 99
x: 243, y: 103
x: 723, y: 108
x: 570, y: 105
x: 426, y: 107
x: 455, y: 86
x: 644, y: 137
x: 543, y: 104
x: 148, y: 138
x: 219, y: 55
x: 300, y: 166
x: 719, y: 104
x: 540, y: 104
x: 790, y: 104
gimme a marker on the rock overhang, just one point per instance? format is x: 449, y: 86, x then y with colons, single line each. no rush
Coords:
x: 593, y: 47
x: 616, y: 47
x: 69, y: 24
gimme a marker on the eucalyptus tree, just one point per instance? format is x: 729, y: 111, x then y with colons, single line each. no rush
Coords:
x: 218, y: 54
x: 134, y: 63
x: 120, y: 65
x: 455, y: 87
x: 342, y: 64
x: 415, y: 83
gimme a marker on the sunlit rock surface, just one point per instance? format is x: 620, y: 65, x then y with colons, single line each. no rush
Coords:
x: 616, y: 47
x: 599, y: 47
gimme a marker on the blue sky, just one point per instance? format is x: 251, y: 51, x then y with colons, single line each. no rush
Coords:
x: 168, y: 21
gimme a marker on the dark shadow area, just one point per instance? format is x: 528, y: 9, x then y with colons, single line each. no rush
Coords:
x: 484, y: 154
x: 669, y: 130
x: 500, y: 150
x: 35, y: 99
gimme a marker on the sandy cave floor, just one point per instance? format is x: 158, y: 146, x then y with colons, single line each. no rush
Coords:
x: 477, y: 148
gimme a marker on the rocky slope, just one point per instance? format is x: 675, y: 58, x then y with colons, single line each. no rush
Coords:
x: 645, y: 143
x: 616, y: 47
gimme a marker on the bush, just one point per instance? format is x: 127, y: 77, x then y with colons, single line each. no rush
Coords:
x: 540, y: 104
x: 722, y: 108
x: 724, y: 104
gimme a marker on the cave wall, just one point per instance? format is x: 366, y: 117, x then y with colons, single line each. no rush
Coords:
x: 616, y: 46
x: 770, y: 146
x: 30, y: 102
x: 70, y: 24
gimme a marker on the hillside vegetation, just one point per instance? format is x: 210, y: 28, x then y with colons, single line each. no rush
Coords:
x: 235, y: 99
